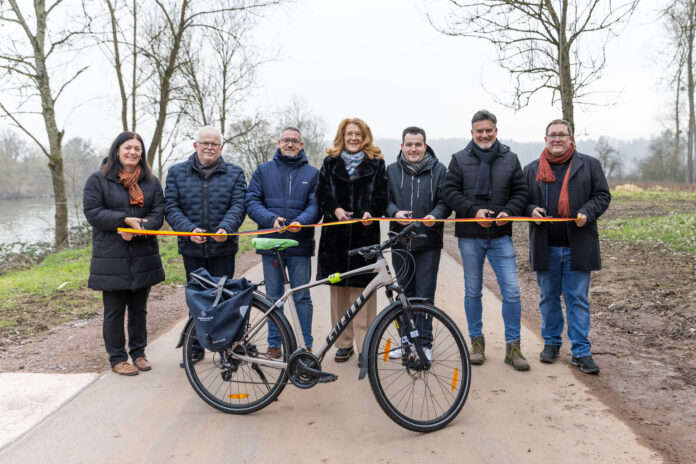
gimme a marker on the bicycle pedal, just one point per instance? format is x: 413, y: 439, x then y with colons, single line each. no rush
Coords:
x: 328, y: 378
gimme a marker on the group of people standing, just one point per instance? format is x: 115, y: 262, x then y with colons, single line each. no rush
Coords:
x: 484, y: 180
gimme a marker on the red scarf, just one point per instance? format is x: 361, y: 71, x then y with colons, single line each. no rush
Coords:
x: 130, y: 181
x: 545, y: 174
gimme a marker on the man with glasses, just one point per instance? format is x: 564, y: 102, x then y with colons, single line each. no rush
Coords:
x: 282, y: 192
x: 485, y: 180
x: 565, y: 183
x: 206, y: 194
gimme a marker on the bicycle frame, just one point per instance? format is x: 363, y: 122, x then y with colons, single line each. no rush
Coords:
x: 382, y: 279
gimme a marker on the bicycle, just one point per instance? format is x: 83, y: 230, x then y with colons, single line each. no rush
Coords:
x: 421, y: 382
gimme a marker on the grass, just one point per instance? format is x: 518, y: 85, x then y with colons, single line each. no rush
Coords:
x: 55, y: 290
x: 652, y: 195
x: 676, y: 232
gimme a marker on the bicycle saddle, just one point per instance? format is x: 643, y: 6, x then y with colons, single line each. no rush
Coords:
x: 273, y: 243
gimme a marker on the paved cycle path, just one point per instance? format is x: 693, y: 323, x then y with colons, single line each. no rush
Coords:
x: 544, y: 415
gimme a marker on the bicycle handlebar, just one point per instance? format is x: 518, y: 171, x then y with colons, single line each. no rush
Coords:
x: 371, y: 250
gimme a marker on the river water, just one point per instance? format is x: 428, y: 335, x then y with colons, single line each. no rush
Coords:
x: 31, y: 220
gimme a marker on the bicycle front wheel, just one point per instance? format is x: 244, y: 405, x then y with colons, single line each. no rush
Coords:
x: 416, y: 397
x: 235, y: 386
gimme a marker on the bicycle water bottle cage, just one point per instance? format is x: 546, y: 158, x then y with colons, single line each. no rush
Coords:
x: 273, y: 243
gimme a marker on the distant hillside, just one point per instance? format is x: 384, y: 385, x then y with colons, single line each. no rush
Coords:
x: 630, y: 150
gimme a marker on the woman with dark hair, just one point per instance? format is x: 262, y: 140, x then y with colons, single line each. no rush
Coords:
x: 352, y: 184
x: 124, y: 265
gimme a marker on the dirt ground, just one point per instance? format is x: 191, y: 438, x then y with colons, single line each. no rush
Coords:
x: 643, y: 335
x: 78, y: 346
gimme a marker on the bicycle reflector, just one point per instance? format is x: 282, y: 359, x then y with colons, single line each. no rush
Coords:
x: 454, y: 378
x: 241, y: 396
x: 387, y: 346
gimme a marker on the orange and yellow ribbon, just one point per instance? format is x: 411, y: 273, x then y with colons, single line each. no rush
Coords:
x: 337, y: 223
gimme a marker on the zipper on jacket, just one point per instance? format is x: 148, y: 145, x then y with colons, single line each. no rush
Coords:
x: 206, y: 219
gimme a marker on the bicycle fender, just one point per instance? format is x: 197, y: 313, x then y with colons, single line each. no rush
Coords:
x: 183, y: 331
x: 371, y: 330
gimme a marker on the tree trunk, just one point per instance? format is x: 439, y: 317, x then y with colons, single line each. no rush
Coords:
x: 565, y: 79
x: 55, y: 136
x: 165, y: 85
x: 118, y: 67
x: 690, y: 90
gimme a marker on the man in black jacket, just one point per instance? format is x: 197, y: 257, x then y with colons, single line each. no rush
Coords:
x: 565, y: 183
x: 485, y: 180
x: 415, y: 191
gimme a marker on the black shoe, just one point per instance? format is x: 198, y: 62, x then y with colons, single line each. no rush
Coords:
x: 343, y: 354
x: 549, y: 354
x: 586, y: 364
x: 195, y: 357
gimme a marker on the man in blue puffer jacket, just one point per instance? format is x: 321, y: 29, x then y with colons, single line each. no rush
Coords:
x: 282, y: 192
x: 206, y: 194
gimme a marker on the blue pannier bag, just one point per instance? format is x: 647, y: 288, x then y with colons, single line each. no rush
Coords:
x: 219, y: 307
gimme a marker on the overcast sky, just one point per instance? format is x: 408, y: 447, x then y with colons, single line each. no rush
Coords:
x: 381, y: 61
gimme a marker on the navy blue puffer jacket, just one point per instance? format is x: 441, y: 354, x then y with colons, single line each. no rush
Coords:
x: 190, y: 201
x: 285, y: 187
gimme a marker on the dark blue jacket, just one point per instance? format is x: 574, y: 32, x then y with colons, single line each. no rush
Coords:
x: 285, y: 187
x: 190, y: 201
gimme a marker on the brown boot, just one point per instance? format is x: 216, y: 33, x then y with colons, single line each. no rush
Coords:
x: 478, y: 346
x: 513, y: 356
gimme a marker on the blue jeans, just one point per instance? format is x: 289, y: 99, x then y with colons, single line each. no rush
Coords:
x: 299, y: 270
x: 575, y: 286
x: 501, y: 256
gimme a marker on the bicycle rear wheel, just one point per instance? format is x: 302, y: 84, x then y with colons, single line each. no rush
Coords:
x: 422, y: 399
x: 234, y: 386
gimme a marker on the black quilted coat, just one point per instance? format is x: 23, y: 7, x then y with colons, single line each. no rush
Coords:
x: 118, y: 264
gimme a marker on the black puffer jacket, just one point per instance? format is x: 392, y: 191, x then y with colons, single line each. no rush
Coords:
x: 421, y: 194
x: 367, y: 192
x: 118, y: 264
x: 508, y: 191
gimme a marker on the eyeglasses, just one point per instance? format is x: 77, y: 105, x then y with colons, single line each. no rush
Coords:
x: 350, y: 135
x: 209, y: 144
x: 293, y: 141
x: 558, y: 136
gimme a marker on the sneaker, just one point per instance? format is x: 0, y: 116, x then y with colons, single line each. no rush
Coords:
x: 273, y: 352
x: 586, y: 364
x: 397, y: 353
x: 195, y: 357
x: 478, y: 347
x: 343, y: 354
x: 513, y: 356
x: 428, y: 353
x: 549, y: 354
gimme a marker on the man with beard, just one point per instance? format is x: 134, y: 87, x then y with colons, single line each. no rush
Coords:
x: 565, y: 183
x: 415, y: 191
x: 485, y: 180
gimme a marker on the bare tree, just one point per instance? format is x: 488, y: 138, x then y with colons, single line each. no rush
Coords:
x: 255, y: 143
x: 664, y: 163
x: 609, y: 158
x: 681, y: 22
x: 540, y: 42
x: 32, y: 52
